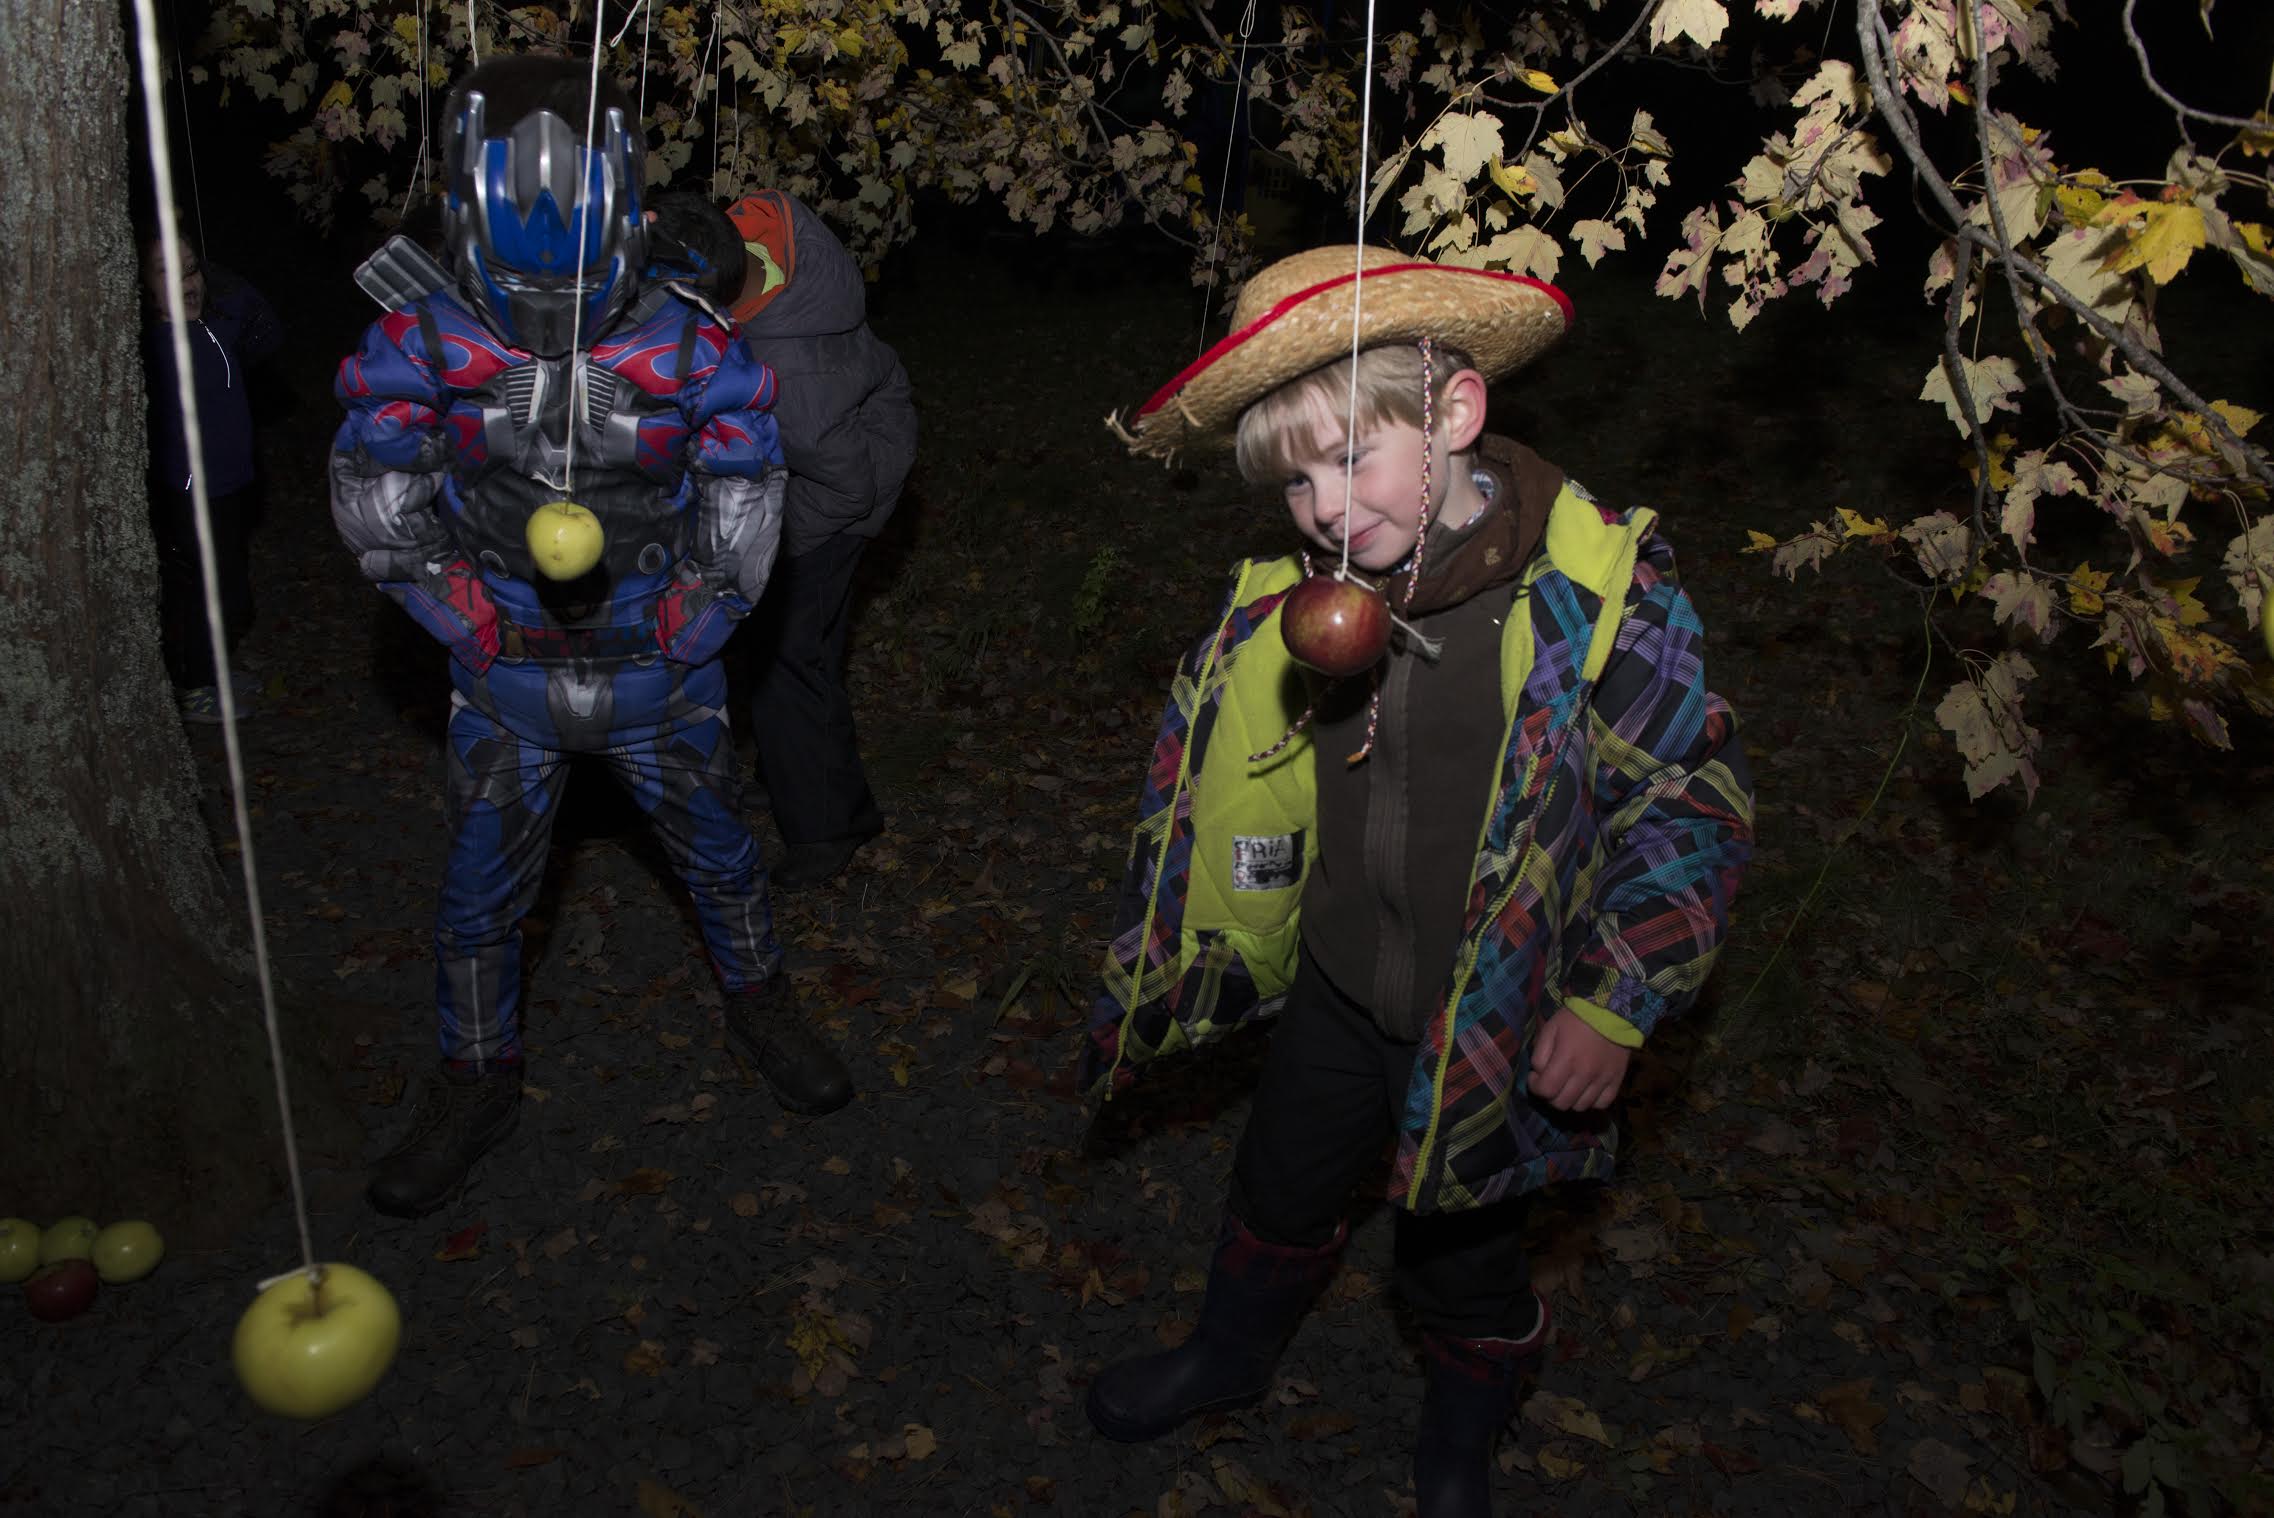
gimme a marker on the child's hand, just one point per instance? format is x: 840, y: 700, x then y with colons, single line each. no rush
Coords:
x: 1574, y: 1068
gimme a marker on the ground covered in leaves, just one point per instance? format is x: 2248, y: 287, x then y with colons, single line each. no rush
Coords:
x: 1953, y: 1198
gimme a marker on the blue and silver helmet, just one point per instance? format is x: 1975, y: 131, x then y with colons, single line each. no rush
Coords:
x: 532, y: 218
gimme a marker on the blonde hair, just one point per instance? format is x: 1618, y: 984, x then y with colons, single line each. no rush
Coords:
x: 1390, y: 381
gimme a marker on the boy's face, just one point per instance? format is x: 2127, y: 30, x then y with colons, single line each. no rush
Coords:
x: 193, y: 280
x: 1379, y: 509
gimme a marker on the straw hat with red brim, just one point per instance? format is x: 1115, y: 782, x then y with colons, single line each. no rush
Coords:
x: 1294, y: 316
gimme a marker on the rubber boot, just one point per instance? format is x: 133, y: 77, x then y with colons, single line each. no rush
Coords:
x: 766, y: 1027
x: 1257, y: 1293
x: 462, y: 1114
x: 1472, y: 1389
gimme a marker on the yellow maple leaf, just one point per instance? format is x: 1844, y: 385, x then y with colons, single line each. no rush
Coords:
x: 2241, y: 418
x: 1559, y: 1466
x: 339, y: 95
x: 1516, y: 182
x: 1540, y: 81
x: 2079, y: 206
x: 1758, y: 542
x: 2257, y: 139
x: 2163, y: 245
x: 2085, y: 585
x: 1859, y: 526
x: 406, y: 27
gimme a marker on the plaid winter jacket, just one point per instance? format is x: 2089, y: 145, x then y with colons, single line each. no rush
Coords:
x: 1621, y: 819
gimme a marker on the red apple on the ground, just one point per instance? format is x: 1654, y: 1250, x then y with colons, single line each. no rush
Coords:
x: 19, y: 1249
x: 127, y: 1252
x: 71, y: 1238
x: 62, y: 1290
x: 306, y: 1349
x: 1337, y: 627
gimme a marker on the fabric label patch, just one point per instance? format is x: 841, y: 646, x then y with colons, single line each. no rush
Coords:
x: 1266, y: 864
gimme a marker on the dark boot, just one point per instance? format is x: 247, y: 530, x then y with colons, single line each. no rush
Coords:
x: 460, y: 1115
x: 766, y: 1027
x: 1472, y: 1391
x: 1257, y: 1293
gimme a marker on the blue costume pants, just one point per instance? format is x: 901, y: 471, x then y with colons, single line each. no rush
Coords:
x: 662, y: 729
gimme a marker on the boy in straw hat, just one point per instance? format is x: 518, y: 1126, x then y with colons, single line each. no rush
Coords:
x: 1470, y: 880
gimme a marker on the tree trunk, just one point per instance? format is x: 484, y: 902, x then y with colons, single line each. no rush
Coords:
x: 134, y: 1073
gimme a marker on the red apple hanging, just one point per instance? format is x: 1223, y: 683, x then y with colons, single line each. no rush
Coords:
x: 1337, y: 627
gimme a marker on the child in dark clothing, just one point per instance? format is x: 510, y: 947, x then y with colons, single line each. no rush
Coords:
x: 231, y: 327
x: 848, y: 429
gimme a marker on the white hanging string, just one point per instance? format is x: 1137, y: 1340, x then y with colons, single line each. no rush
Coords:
x: 709, y: 53
x: 647, y: 25
x: 1358, y: 291
x: 639, y: 7
x: 418, y: 170
x: 1224, y: 187
x: 473, y: 42
x: 170, y: 249
x: 583, y: 219
x: 189, y: 138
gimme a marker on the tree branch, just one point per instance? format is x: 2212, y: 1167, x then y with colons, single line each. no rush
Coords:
x: 2180, y: 108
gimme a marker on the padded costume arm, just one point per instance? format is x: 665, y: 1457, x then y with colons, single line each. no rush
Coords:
x: 1675, y: 798
x: 735, y: 464
x: 387, y: 466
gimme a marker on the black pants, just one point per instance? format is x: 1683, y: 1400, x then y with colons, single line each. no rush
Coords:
x: 800, y: 714
x: 1333, y: 1085
x: 182, y: 631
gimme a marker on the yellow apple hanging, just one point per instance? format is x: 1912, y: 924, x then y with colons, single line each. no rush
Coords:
x: 565, y: 539
x: 307, y: 1348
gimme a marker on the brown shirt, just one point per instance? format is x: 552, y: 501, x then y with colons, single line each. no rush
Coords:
x: 1388, y: 894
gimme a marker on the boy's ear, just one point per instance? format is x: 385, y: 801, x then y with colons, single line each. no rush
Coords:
x: 1460, y: 410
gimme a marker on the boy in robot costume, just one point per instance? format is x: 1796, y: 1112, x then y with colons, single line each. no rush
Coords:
x: 460, y: 405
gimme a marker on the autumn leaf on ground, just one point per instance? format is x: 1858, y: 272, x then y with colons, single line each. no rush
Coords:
x: 1850, y: 1406
x: 527, y: 1459
x: 659, y: 1501
x: 645, y: 1181
x: 645, y: 1359
x: 465, y: 1244
x: 922, y: 1443
x: 744, y: 1204
x: 1940, y: 1469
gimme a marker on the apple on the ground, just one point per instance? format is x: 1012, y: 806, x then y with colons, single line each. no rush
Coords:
x: 71, y: 1238
x: 1336, y: 626
x: 19, y: 1249
x: 61, y: 1290
x: 127, y: 1251
x: 308, y: 1348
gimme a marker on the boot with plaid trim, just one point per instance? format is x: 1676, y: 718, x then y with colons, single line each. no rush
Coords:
x: 1471, y: 1392
x: 1257, y: 1293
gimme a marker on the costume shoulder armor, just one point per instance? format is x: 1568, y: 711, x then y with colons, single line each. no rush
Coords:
x: 400, y: 273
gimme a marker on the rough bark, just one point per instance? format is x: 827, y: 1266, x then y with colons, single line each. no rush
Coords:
x: 134, y: 1075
